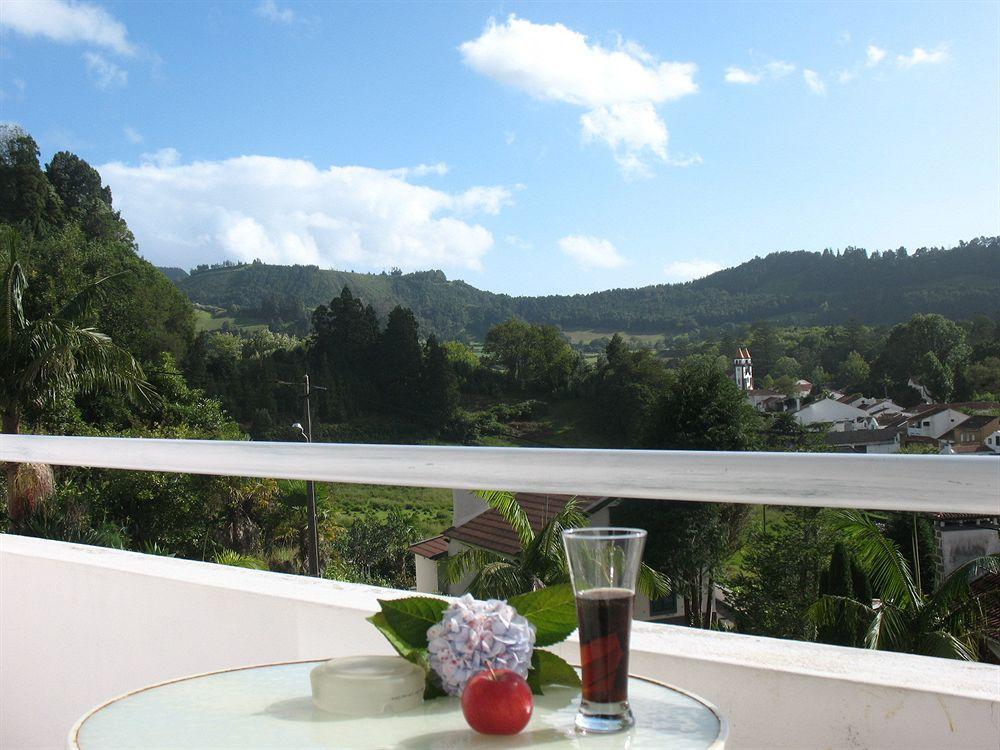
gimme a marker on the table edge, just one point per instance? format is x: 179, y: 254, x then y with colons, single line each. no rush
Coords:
x: 72, y: 740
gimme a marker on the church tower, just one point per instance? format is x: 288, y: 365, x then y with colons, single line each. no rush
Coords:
x: 743, y: 370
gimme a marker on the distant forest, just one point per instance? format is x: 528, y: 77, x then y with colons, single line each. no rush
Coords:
x: 790, y: 288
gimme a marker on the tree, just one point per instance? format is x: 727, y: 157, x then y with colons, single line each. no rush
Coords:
x: 838, y: 581
x: 779, y: 576
x: 854, y: 371
x: 535, y: 356
x: 937, y: 377
x: 25, y: 194
x: 376, y: 551
x: 626, y: 385
x: 949, y: 622
x: 688, y: 544
x: 907, y: 345
x: 439, y: 386
x: 400, y: 360
x: 541, y: 562
x: 702, y: 409
x: 54, y: 353
x: 786, y: 367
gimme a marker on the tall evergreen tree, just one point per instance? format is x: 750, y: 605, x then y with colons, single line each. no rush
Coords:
x: 400, y: 361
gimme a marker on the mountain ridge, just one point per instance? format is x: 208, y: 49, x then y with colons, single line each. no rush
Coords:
x: 797, y: 287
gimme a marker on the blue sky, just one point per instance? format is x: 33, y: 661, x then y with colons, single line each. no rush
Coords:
x: 527, y: 148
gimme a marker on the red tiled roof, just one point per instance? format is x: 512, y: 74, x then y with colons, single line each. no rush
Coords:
x: 433, y: 548
x: 489, y: 531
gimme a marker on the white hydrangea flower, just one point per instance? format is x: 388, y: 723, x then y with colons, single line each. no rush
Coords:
x: 475, y: 635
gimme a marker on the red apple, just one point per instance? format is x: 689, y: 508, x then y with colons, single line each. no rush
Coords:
x: 497, y: 701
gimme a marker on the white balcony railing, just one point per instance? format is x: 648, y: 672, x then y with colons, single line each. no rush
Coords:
x: 79, y: 624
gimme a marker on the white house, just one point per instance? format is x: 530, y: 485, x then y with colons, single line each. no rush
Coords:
x: 935, y: 421
x: 831, y: 411
x: 993, y: 442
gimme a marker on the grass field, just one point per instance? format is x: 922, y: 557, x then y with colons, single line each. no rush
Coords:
x: 431, y: 508
x: 586, y: 336
x: 206, y: 321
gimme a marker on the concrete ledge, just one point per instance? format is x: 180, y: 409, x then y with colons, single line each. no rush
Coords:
x: 79, y: 624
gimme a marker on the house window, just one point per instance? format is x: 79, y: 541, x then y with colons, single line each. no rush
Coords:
x: 664, y: 606
x: 927, y: 423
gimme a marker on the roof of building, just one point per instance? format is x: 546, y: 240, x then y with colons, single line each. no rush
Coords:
x: 977, y: 421
x: 967, y: 448
x: 957, y: 406
x: 862, y: 437
x: 849, y: 397
x: 433, y: 548
x: 489, y: 531
x: 890, y: 419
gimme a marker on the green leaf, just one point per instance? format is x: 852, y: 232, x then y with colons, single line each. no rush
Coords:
x: 404, y: 650
x: 549, y: 669
x: 409, y: 618
x: 551, y: 610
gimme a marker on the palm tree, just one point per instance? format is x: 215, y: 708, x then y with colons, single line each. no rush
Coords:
x: 41, y: 359
x: 541, y: 561
x: 949, y: 622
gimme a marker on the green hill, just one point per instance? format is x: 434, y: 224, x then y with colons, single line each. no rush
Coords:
x: 802, y: 288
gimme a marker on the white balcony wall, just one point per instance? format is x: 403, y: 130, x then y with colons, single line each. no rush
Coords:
x: 81, y: 624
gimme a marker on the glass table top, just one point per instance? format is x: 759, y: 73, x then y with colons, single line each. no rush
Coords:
x: 271, y: 707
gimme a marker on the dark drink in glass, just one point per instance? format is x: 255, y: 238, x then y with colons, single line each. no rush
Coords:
x: 605, y: 625
x: 604, y: 566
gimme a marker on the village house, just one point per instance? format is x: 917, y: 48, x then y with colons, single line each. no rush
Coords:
x: 973, y: 431
x: 478, y: 525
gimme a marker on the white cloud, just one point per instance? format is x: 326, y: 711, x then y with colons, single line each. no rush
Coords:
x: 67, y: 22
x: 515, y: 240
x: 738, y: 75
x: 104, y: 74
x: 846, y: 76
x: 618, y: 87
x: 133, y: 135
x: 875, y: 55
x: 814, y: 81
x: 774, y: 70
x: 292, y: 211
x: 270, y: 11
x: 920, y: 56
x: 686, y: 270
x: 591, y: 252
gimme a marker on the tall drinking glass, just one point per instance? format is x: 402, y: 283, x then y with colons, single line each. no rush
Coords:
x: 604, y: 565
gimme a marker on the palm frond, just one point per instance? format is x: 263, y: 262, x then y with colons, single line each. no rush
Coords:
x: 879, y: 556
x: 498, y: 580
x: 954, y: 593
x: 833, y: 610
x: 544, y: 556
x: 11, y: 301
x: 473, y: 559
x: 945, y: 645
x: 235, y: 559
x: 83, y: 302
x: 888, y: 630
x: 505, y: 503
x: 651, y: 583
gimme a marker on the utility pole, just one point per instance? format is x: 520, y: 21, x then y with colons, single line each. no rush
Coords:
x: 310, y: 484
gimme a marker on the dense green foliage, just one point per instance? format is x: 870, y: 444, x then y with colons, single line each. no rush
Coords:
x: 947, y: 622
x: 800, y: 288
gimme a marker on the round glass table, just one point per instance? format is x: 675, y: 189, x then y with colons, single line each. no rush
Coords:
x: 271, y: 707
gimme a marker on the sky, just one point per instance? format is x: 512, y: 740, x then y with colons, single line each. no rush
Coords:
x: 527, y: 148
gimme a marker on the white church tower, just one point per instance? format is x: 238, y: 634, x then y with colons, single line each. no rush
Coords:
x: 743, y: 370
